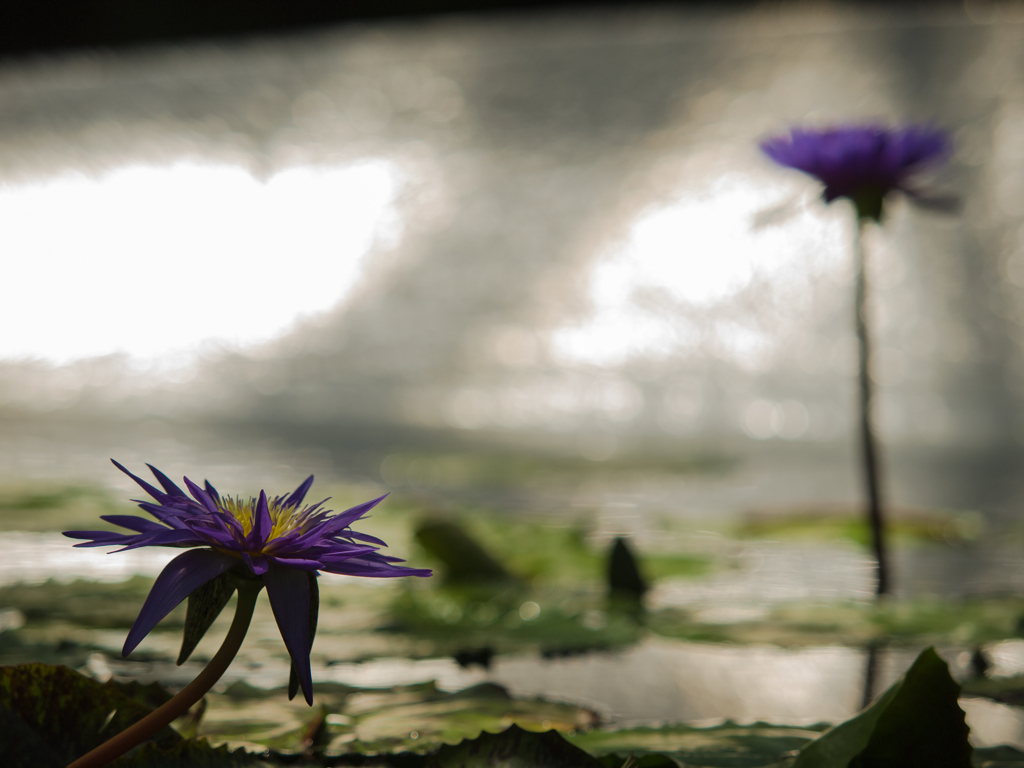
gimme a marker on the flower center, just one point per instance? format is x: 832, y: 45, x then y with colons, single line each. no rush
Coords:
x: 283, y: 519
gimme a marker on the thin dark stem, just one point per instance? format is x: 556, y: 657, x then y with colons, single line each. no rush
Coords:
x: 871, y: 663
x: 133, y: 736
x: 876, y: 518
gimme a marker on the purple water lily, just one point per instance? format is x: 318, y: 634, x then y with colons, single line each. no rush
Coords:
x: 861, y: 162
x: 277, y: 540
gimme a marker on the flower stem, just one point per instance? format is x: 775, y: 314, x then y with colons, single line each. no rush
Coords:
x: 136, y: 734
x: 876, y: 518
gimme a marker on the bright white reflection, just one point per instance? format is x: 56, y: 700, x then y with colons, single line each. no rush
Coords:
x: 152, y: 260
x: 702, y: 251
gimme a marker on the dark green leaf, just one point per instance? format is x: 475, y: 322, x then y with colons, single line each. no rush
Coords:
x: 917, y: 723
x: 204, y: 606
x: 1003, y: 756
x: 187, y: 754
x: 513, y: 748
x: 21, y: 746
x: 465, y: 561
x: 624, y: 579
x: 71, y: 713
x: 314, y: 614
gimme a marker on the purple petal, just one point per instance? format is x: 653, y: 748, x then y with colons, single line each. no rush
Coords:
x: 361, y: 537
x: 361, y: 566
x: 212, y: 491
x: 133, y: 523
x: 158, y: 495
x: 288, y: 590
x: 299, y: 563
x: 344, y: 519
x: 257, y: 563
x: 100, y: 538
x: 165, y: 481
x: 222, y: 539
x: 163, y: 538
x: 182, y: 576
x: 169, y: 515
x: 201, y: 496
x: 299, y: 493
x: 261, y: 522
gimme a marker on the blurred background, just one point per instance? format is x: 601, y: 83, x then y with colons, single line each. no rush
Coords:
x: 528, y: 270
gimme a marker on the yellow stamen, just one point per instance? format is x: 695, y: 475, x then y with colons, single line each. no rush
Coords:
x: 283, y: 519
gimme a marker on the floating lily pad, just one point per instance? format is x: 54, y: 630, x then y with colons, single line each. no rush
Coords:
x: 724, y: 746
x: 416, y: 718
x: 513, y: 748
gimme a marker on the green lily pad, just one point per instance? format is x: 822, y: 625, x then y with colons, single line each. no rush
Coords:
x: 723, y: 746
x: 361, y: 721
x: 513, y: 748
x: 1003, y: 756
x: 917, y: 723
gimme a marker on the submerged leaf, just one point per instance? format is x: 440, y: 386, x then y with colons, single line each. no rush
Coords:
x: 465, y: 561
x: 204, y: 606
x: 917, y: 723
x: 513, y: 748
x: 624, y: 578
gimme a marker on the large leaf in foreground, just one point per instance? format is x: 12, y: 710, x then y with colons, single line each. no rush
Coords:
x: 68, y: 712
x: 188, y: 754
x: 917, y: 723
x: 513, y: 748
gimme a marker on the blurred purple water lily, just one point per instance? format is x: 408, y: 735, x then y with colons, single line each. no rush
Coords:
x: 863, y: 162
x: 276, y: 540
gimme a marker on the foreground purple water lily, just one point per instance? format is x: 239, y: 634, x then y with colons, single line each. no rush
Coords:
x: 861, y: 162
x: 278, y: 540
x: 244, y: 545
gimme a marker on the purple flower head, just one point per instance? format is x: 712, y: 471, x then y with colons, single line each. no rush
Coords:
x: 277, y: 540
x: 861, y: 162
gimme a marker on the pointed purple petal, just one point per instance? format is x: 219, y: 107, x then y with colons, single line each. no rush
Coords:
x: 165, y: 481
x: 288, y: 590
x: 164, y: 538
x: 169, y: 515
x: 257, y: 563
x: 361, y: 537
x: 299, y: 493
x: 212, y: 491
x: 358, y: 566
x: 344, y: 519
x: 158, y: 495
x: 101, y: 538
x: 261, y: 522
x: 133, y: 523
x: 182, y: 576
x: 201, y: 496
